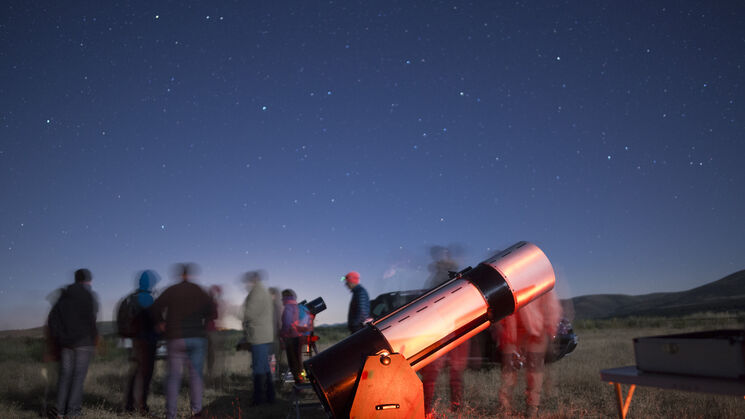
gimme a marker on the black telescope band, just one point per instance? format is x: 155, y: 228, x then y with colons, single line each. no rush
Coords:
x: 495, y: 289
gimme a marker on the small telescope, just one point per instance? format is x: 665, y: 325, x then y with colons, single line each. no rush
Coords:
x: 315, y: 306
x: 373, y: 372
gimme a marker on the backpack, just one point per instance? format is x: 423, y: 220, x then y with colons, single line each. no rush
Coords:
x: 54, y: 322
x: 128, y: 316
x: 305, y: 319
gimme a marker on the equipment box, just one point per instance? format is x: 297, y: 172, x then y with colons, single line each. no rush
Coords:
x: 714, y: 353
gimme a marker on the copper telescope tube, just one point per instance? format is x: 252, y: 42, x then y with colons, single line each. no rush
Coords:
x: 433, y: 324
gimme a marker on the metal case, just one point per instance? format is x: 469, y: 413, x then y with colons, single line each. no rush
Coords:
x: 713, y: 353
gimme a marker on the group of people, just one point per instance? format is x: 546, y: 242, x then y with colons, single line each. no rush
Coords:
x: 181, y: 315
x: 272, y: 321
x: 184, y: 315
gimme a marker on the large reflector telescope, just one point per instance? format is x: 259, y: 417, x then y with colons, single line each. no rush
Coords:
x: 430, y: 326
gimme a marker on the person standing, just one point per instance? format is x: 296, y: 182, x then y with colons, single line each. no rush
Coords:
x: 183, y: 311
x: 290, y: 334
x: 457, y: 359
x: 359, y: 306
x: 529, y: 329
x: 215, y: 340
x: 277, y: 346
x: 144, y: 344
x: 72, y: 324
x: 258, y: 329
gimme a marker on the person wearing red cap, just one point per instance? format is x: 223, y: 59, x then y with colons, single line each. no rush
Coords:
x: 359, y: 306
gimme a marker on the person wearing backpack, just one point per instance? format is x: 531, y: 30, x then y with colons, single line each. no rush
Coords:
x: 134, y: 321
x: 291, y: 332
x: 72, y: 324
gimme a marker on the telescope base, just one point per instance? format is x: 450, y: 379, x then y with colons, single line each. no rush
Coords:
x: 388, y: 388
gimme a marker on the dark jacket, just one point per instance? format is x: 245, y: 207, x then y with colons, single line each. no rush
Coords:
x: 188, y: 309
x: 359, y: 309
x: 72, y: 321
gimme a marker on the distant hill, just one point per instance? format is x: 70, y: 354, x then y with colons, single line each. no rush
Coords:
x: 726, y: 294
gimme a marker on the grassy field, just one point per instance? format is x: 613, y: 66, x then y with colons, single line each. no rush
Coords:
x: 574, y: 388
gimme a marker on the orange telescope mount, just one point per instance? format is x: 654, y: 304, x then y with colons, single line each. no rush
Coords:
x: 372, y: 373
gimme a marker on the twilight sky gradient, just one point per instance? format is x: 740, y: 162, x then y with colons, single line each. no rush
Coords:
x: 310, y: 139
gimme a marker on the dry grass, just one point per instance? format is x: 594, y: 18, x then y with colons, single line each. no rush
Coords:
x: 574, y: 388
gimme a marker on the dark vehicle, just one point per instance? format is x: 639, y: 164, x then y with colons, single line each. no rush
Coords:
x: 484, y: 349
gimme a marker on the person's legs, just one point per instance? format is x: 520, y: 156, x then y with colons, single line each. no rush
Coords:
x: 536, y: 354
x: 260, y: 371
x: 292, y: 346
x: 458, y: 361
x: 143, y: 352
x: 509, y: 379
x: 429, y: 378
x: 147, y: 366
x: 135, y: 377
x: 196, y: 349
x: 270, y: 393
x: 176, y: 361
x: 66, y: 365
x: 534, y: 381
x: 83, y: 355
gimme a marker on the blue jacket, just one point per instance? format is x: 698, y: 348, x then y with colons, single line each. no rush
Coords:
x: 148, y: 279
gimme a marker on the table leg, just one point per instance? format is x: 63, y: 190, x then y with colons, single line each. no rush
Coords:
x: 623, y: 405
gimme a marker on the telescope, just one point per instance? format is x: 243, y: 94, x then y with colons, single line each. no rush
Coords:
x: 372, y: 373
x: 315, y: 306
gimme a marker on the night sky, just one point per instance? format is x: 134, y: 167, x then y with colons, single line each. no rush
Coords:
x: 310, y: 139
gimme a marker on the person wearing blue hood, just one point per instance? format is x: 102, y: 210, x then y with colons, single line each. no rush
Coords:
x: 144, y: 345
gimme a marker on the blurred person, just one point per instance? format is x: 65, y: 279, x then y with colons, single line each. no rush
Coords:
x: 528, y: 332
x: 291, y: 333
x: 183, y: 311
x: 72, y: 325
x: 215, y: 341
x: 359, y: 305
x: 51, y: 355
x: 281, y: 364
x: 144, y: 345
x: 457, y: 359
x: 258, y: 329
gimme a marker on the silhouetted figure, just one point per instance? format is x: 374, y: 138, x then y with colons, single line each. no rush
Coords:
x: 277, y: 346
x: 215, y: 341
x: 457, y: 359
x: 144, y: 345
x: 51, y: 355
x: 359, y: 306
x: 291, y: 334
x: 258, y: 328
x: 72, y: 324
x: 527, y: 332
x: 183, y: 310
